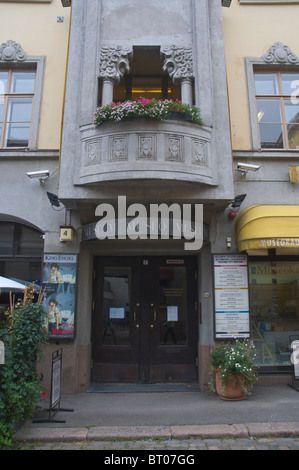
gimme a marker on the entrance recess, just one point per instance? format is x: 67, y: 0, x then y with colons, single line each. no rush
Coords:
x: 145, y: 325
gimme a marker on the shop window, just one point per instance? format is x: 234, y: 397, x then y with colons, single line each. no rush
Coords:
x: 21, y: 249
x: 274, y: 310
x: 277, y: 109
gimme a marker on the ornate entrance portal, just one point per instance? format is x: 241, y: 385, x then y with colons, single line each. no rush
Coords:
x: 145, y: 325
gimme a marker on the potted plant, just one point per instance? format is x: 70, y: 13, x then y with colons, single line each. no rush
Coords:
x: 232, y: 369
x: 145, y: 108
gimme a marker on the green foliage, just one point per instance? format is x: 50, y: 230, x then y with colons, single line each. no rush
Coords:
x: 22, y: 332
x: 234, y: 358
x: 144, y: 108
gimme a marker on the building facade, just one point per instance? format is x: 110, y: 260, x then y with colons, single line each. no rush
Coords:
x: 126, y: 302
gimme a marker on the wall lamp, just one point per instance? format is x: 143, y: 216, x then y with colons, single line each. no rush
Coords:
x: 41, y: 175
x: 226, y: 3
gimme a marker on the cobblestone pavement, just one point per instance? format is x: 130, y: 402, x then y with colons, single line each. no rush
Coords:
x: 167, y: 446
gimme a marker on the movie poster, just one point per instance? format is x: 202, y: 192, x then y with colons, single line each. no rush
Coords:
x: 59, y: 284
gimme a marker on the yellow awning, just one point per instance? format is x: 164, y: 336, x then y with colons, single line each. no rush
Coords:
x: 268, y: 226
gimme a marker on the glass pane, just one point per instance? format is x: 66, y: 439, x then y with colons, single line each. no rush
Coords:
x: 271, y: 136
x: 23, y: 82
x: 22, y: 271
x: 1, y: 109
x: 290, y: 83
x: 268, y: 111
x: 266, y: 84
x: 117, y: 301
x: 19, y: 109
x: 3, y: 82
x: 274, y: 305
x: 173, y: 305
x: 6, y: 239
x: 291, y: 112
x: 293, y: 136
x: 30, y: 242
x: 17, y: 135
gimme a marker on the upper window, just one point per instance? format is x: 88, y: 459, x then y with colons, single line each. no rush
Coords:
x: 16, y: 98
x: 277, y: 109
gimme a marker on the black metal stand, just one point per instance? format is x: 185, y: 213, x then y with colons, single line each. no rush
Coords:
x: 55, y: 396
x: 50, y: 419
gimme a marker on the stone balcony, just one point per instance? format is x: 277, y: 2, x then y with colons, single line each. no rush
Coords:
x: 143, y: 149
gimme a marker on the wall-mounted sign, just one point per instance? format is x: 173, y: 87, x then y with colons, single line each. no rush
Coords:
x: 231, y: 296
x: 59, y: 282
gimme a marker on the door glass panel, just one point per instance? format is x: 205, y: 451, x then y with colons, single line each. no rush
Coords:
x: 116, y: 309
x: 173, y: 305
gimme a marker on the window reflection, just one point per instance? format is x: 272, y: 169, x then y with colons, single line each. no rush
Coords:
x: 173, y: 305
x: 274, y: 306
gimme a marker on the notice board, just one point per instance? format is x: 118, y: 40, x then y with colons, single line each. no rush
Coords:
x: 231, y: 299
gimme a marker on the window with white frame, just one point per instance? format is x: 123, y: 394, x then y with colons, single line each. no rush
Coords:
x: 277, y: 109
x: 273, y: 99
x: 16, y: 99
x: 21, y: 84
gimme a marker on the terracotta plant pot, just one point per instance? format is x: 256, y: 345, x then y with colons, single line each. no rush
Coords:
x: 232, y: 390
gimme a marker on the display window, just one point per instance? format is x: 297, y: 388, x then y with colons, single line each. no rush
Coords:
x: 274, y: 310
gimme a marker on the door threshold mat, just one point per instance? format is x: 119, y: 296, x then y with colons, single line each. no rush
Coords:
x: 99, y: 387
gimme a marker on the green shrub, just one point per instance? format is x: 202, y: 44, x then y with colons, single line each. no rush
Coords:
x: 22, y: 332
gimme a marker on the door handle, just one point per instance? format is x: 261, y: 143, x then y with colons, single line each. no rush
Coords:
x: 154, y: 316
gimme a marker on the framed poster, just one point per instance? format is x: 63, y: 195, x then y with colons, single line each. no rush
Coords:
x: 231, y: 296
x: 59, y: 284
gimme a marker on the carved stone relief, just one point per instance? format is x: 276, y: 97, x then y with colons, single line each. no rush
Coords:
x: 199, y: 151
x: 118, y: 148
x: 178, y: 62
x: 93, y: 151
x: 174, y: 150
x: 114, y: 62
x: 279, y: 53
x: 147, y: 147
x: 11, y: 51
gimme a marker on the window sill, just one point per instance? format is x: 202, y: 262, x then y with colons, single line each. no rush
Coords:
x: 267, y: 153
x: 28, y: 153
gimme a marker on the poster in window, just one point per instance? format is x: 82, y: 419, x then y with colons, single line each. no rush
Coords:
x: 59, y: 284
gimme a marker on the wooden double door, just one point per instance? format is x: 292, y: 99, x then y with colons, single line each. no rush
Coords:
x: 145, y: 325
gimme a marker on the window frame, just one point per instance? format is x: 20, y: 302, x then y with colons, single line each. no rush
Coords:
x: 281, y: 98
x: 253, y: 66
x: 36, y: 63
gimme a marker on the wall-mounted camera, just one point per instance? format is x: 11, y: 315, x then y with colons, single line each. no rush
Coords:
x: 41, y: 175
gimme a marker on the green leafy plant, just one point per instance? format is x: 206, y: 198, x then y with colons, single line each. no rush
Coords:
x: 236, y: 358
x: 144, y: 108
x: 22, y: 332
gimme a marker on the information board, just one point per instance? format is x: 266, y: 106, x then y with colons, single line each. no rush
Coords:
x: 231, y: 296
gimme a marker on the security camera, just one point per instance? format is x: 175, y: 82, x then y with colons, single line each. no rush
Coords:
x: 41, y: 175
x: 248, y: 167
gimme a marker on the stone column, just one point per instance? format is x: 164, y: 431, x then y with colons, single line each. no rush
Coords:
x: 114, y: 63
x: 178, y: 63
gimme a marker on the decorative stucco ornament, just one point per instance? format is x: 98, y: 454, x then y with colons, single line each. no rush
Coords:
x: 11, y: 51
x: 279, y: 53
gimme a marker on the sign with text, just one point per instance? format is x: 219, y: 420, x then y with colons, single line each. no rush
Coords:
x: 59, y: 282
x: 231, y: 296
